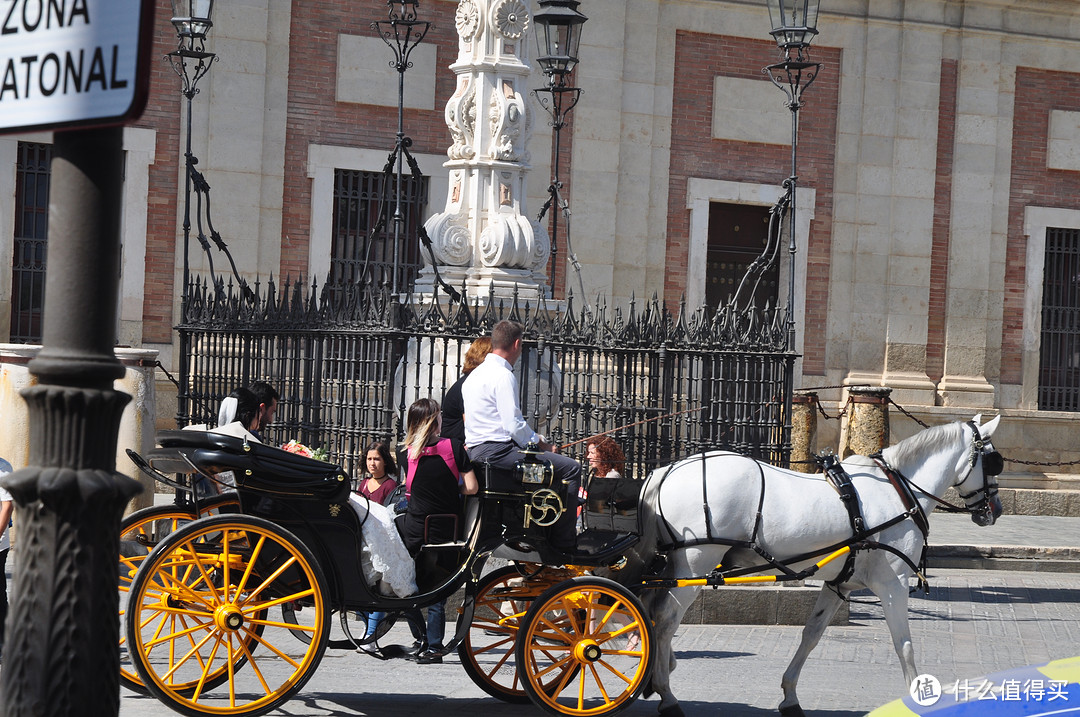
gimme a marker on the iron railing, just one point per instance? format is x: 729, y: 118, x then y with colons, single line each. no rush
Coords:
x: 348, y: 362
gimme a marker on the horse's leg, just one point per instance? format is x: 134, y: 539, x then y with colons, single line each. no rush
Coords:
x: 892, y: 590
x: 667, y: 609
x: 828, y: 601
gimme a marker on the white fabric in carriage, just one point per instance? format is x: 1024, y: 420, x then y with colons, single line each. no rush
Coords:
x: 387, y: 565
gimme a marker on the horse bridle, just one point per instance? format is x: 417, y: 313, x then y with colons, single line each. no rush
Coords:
x: 992, y: 465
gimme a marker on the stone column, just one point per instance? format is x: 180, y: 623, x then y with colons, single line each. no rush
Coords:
x: 979, y: 219
x: 804, y: 406
x: 866, y: 427
x: 60, y: 651
x: 485, y: 236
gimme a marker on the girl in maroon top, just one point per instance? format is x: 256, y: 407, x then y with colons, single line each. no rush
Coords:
x: 379, y: 482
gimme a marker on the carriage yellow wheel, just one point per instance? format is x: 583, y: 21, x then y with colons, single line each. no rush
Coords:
x: 198, y: 608
x: 140, y: 533
x: 487, y: 652
x: 584, y: 648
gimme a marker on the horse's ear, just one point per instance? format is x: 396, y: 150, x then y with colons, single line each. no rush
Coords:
x: 977, y: 419
x: 987, y: 429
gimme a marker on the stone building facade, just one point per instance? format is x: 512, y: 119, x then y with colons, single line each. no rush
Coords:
x: 940, y: 148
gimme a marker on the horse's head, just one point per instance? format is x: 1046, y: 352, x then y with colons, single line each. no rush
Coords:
x: 979, y: 468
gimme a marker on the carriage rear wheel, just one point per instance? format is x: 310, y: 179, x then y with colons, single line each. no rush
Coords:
x: 487, y: 652
x: 198, y: 609
x: 584, y: 648
x: 140, y: 533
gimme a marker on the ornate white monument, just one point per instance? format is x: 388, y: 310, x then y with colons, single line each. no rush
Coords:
x: 484, y: 237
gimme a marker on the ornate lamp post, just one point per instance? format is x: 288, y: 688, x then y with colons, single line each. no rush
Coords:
x: 402, y: 32
x: 794, y: 25
x: 558, y: 37
x: 191, y: 62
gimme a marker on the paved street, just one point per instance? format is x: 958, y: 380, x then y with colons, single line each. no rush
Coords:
x: 973, y: 623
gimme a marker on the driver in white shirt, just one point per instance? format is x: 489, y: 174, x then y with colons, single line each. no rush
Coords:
x: 495, y: 429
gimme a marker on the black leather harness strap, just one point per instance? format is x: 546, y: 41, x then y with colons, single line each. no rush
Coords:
x: 907, y: 497
x: 840, y: 480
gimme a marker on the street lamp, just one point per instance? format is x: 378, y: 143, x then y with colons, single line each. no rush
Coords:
x: 558, y: 37
x: 794, y: 25
x: 402, y: 32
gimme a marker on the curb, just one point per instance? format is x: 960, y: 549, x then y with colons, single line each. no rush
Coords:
x: 1010, y: 557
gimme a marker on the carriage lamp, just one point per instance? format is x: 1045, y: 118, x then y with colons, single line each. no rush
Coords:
x: 532, y: 470
x: 794, y: 22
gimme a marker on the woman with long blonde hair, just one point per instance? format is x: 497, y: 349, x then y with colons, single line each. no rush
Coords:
x: 438, y: 474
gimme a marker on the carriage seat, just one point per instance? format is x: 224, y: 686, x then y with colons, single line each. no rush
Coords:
x: 257, y: 467
x: 465, y: 532
x: 437, y: 562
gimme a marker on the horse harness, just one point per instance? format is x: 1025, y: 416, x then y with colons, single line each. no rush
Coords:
x: 860, y: 540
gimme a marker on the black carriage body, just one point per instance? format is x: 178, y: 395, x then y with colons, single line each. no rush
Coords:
x: 307, y: 497
x: 310, y: 498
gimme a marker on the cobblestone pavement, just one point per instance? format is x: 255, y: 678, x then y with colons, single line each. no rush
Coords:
x: 973, y: 623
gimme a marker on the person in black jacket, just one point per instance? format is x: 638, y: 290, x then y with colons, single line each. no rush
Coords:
x: 453, y: 408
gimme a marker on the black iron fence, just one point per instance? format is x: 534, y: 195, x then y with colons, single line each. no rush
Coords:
x: 348, y: 362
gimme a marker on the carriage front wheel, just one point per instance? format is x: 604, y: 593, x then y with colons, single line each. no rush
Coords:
x: 593, y: 634
x: 198, y: 608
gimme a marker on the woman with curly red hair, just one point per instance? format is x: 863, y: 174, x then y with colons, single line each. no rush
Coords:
x: 606, y: 459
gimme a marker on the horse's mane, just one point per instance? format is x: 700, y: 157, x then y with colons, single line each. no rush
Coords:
x: 921, y: 444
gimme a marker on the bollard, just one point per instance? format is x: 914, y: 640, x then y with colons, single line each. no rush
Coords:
x: 867, y: 421
x: 804, y: 410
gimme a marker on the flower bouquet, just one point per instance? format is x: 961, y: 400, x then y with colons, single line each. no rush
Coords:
x: 295, y: 446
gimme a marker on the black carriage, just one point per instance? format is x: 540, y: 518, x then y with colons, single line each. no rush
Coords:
x: 226, y: 603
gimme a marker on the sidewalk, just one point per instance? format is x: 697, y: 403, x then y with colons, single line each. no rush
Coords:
x: 1016, y: 542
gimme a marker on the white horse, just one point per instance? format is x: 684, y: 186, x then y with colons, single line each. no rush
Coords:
x: 789, y: 515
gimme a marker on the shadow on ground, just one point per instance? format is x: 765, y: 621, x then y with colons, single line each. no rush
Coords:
x: 420, y: 705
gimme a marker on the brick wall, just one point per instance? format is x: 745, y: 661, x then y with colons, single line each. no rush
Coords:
x: 162, y: 114
x: 699, y: 58
x: 939, y: 250
x: 1032, y: 184
x: 315, y: 117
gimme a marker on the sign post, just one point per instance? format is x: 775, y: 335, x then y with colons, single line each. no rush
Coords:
x: 80, y: 67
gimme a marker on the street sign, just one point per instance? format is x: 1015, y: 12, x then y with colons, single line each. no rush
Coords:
x: 73, y: 62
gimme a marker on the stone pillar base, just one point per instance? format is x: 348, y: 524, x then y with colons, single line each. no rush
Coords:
x: 910, y: 388
x: 866, y: 427
x: 966, y: 391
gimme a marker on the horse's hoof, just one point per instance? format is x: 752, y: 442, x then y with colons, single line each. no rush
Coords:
x: 792, y: 711
x: 673, y: 711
